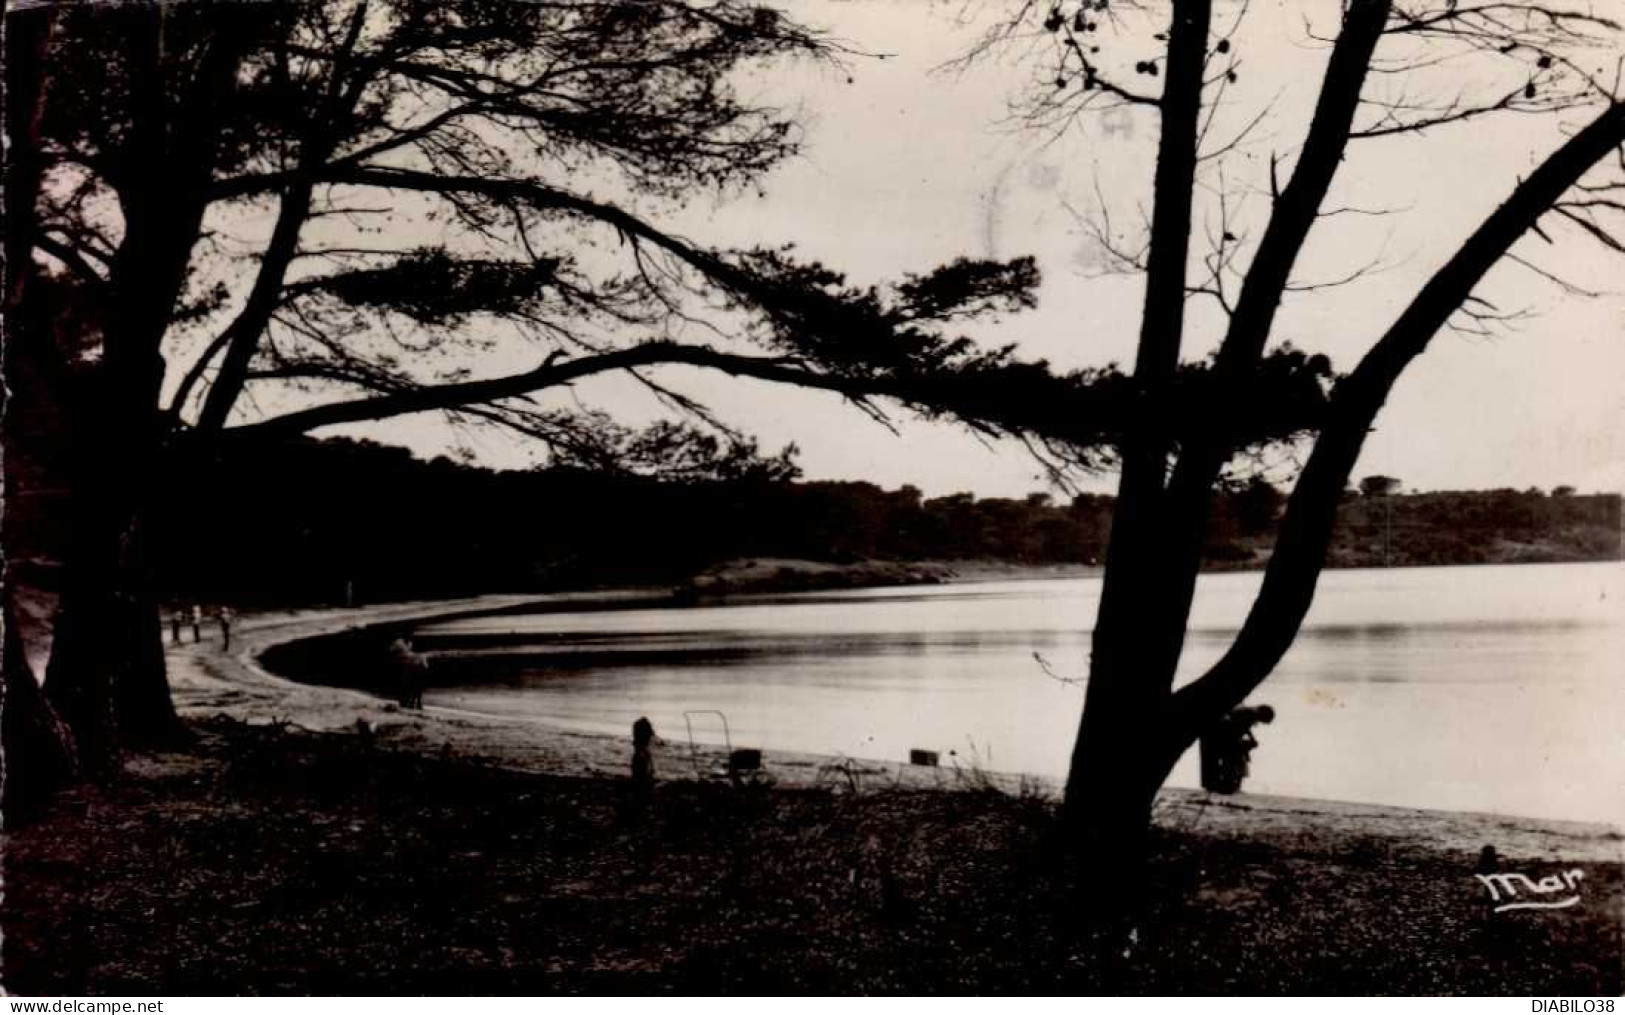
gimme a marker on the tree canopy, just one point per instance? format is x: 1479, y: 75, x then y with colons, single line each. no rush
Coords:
x: 365, y: 206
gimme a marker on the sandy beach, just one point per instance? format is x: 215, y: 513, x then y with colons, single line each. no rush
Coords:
x: 208, y: 682
x: 320, y: 840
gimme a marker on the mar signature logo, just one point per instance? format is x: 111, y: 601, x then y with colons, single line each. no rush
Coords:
x: 1554, y: 891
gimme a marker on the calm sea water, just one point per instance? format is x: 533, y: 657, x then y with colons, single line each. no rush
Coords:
x: 1473, y: 688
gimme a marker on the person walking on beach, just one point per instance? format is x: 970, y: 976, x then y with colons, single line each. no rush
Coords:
x: 225, y: 615
x: 175, y: 626
x: 196, y: 615
x: 411, y: 672
x: 643, y: 759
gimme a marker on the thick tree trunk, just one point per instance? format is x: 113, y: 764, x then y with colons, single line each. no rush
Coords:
x: 39, y: 755
x: 75, y: 471
x: 106, y: 675
x: 1138, y: 636
x: 36, y: 746
x: 1120, y: 763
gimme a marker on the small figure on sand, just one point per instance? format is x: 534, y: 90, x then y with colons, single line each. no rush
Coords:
x: 1227, y: 748
x: 411, y: 672
x: 196, y: 616
x: 175, y: 626
x: 643, y: 759
x: 225, y: 615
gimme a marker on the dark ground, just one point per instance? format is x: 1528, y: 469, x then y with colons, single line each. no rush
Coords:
x: 267, y: 861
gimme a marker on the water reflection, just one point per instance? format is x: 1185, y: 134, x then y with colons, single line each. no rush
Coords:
x: 1487, y: 688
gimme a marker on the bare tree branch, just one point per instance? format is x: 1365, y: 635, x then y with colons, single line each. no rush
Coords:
x: 1294, y: 568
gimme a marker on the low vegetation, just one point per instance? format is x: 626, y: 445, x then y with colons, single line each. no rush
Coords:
x: 268, y: 860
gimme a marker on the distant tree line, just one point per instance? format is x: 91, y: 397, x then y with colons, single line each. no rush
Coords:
x: 307, y: 521
x: 1476, y: 527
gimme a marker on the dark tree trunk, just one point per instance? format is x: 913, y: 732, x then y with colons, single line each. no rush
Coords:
x: 106, y: 674
x: 1120, y: 763
x: 38, y: 747
x: 1138, y: 633
x: 39, y: 753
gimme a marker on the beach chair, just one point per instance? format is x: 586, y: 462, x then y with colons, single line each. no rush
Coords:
x: 740, y: 765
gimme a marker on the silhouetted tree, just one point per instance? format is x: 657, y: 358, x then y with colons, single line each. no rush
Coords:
x: 279, y: 217
x: 1385, y: 61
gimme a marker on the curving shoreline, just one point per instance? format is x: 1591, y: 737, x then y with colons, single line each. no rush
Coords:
x: 207, y: 682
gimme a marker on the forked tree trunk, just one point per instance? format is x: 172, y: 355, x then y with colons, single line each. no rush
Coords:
x: 1134, y: 729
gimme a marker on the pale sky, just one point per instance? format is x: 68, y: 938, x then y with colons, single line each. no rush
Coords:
x: 905, y: 169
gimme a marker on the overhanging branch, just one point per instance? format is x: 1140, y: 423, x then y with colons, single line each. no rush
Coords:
x: 460, y: 394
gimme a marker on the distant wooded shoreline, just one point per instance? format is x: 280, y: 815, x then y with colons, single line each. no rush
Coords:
x: 336, y: 521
